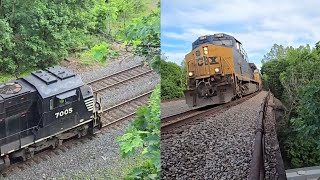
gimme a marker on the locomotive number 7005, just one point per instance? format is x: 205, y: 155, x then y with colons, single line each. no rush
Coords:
x: 63, y: 112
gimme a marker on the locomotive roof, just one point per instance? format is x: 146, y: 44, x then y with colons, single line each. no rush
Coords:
x: 14, y: 88
x: 211, y: 38
x: 53, y: 81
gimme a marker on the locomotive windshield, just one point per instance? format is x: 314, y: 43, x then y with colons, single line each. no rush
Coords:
x: 223, y: 42
x: 63, y: 99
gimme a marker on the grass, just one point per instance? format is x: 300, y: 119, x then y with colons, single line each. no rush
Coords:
x: 118, y: 171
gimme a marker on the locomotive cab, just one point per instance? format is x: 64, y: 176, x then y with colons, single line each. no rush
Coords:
x: 61, y: 102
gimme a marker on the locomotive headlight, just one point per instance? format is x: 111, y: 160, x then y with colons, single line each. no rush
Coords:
x: 205, y: 50
x: 190, y: 73
x: 216, y: 70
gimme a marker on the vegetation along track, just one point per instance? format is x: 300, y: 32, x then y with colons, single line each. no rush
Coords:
x: 119, y: 77
x: 110, y: 116
x: 171, y: 122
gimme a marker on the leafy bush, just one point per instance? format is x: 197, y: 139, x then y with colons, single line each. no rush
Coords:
x: 172, y: 80
x: 144, y: 134
x: 100, y: 52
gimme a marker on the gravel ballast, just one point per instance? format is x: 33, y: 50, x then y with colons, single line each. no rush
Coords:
x: 102, y: 152
x: 170, y: 108
x: 174, y: 107
x: 218, y: 148
x: 87, y: 158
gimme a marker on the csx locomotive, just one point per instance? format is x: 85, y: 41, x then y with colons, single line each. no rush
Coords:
x: 43, y: 109
x: 218, y: 71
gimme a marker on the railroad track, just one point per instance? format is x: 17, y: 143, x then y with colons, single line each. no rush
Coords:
x: 123, y: 110
x: 110, y: 116
x: 119, y: 77
x: 171, y: 122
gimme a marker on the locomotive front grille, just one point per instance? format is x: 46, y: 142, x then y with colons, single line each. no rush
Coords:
x: 89, y: 103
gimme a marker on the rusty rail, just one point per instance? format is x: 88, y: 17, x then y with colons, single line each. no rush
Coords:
x: 257, y: 164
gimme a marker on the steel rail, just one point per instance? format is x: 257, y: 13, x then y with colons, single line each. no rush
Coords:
x: 257, y: 171
x: 109, y: 86
x: 116, y: 73
x: 188, y: 116
x: 129, y: 100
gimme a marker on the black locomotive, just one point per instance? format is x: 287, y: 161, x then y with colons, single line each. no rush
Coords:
x: 43, y: 109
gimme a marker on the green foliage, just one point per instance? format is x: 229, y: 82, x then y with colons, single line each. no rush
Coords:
x: 270, y: 74
x: 143, y: 34
x: 98, y: 53
x: 39, y: 33
x: 144, y: 134
x: 112, y: 17
x: 173, y: 78
x: 303, y: 145
x: 292, y: 75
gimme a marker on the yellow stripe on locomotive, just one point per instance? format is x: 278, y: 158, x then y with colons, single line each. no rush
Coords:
x: 218, y: 71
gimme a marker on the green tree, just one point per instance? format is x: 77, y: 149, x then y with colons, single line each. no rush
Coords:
x: 6, y: 45
x: 41, y: 31
x: 172, y: 80
x: 144, y: 35
x: 144, y: 134
x: 303, y: 144
x: 276, y: 52
x: 292, y: 75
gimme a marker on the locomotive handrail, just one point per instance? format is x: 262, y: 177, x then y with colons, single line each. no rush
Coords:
x: 257, y: 164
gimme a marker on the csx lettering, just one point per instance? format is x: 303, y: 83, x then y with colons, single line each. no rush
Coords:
x: 63, y: 112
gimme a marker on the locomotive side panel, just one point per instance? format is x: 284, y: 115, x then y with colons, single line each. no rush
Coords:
x: 242, y: 68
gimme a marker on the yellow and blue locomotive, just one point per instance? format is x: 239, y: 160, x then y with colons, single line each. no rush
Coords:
x: 218, y: 71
